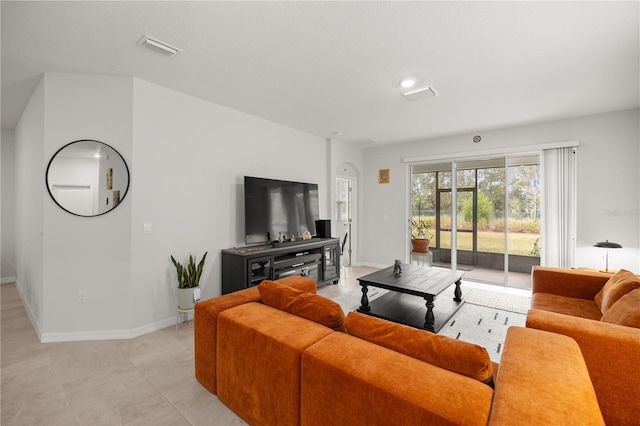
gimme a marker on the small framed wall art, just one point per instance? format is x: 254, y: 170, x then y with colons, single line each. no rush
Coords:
x: 384, y: 176
x: 109, y: 178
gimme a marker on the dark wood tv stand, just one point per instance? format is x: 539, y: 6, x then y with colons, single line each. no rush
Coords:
x: 317, y: 258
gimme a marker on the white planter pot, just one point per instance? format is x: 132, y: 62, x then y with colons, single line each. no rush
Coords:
x: 186, y: 298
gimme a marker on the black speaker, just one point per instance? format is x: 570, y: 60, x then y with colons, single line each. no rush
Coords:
x: 323, y: 228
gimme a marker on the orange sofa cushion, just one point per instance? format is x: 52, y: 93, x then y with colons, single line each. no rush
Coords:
x: 621, y: 283
x: 349, y: 381
x: 573, y: 306
x: 454, y: 355
x: 299, y: 282
x: 626, y: 311
x: 303, y: 304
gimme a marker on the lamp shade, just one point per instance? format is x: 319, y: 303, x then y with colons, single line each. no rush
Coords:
x: 607, y: 244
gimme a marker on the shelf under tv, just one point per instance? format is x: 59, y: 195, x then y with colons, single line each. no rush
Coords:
x: 243, y: 267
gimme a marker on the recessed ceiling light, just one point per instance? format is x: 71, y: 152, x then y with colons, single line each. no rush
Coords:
x: 407, y: 82
x: 158, y: 46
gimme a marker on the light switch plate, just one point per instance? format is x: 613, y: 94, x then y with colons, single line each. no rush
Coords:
x: 147, y: 228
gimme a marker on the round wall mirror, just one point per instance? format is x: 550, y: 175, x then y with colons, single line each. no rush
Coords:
x: 87, y: 178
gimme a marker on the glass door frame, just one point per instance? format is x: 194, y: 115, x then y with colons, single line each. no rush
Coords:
x: 454, y: 163
x: 474, y: 222
x: 347, y: 247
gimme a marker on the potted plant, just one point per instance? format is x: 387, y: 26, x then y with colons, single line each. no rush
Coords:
x: 420, y: 229
x: 188, y: 281
x: 420, y: 235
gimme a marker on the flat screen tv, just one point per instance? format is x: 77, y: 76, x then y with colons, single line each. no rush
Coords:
x: 274, y: 208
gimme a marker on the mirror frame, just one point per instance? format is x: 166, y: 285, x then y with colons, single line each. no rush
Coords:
x: 126, y: 167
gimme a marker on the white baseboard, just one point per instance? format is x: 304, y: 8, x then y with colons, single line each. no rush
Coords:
x: 8, y: 280
x: 29, y: 311
x: 149, y: 328
x: 77, y: 336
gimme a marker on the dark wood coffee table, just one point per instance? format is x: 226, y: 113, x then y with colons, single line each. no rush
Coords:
x: 401, y: 305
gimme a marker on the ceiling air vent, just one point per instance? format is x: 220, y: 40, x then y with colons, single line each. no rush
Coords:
x: 158, y: 46
x: 422, y: 93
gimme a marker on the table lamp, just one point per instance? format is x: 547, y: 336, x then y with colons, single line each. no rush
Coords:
x: 607, y: 245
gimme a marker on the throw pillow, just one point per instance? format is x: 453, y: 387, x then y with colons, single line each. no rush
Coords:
x: 621, y: 283
x: 303, y: 304
x: 300, y: 282
x: 626, y: 311
x: 454, y: 355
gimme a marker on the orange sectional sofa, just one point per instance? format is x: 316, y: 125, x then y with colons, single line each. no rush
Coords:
x: 601, y: 312
x: 279, y: 355
x: 206, y: 325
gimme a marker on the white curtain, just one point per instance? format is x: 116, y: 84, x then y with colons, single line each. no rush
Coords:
x: 559, y: 187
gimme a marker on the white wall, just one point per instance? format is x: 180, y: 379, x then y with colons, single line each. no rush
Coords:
x: 187, y: 159
x: 190, y: 160
x: 91, y: 254
x: 30, y: 164
x: 608, y: 184
x: 7, y: 227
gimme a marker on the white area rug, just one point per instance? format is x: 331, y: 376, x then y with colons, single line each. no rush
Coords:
x: 495, y: 299
x: 484, y: 326
x: 483, y: 319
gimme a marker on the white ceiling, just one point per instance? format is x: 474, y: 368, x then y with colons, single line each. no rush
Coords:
x: 323, y: 67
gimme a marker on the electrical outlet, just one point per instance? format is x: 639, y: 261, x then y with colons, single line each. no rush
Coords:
x: 82, y: 296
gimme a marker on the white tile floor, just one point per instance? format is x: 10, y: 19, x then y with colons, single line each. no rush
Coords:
x: 148, y: 380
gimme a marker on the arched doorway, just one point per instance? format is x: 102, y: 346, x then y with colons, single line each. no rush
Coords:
x: 345, y: 212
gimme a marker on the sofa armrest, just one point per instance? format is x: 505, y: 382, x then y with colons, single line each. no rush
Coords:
x: 567, y: 282
x: 205, y: 324
x: 611, y: 353
x: 259, y: 362
x: 543, y: 380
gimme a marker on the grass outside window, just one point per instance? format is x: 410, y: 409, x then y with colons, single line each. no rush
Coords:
x: 492, y: 242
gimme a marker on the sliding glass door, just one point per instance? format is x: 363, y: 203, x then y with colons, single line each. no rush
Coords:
x: 493, y: 232
x: 523, y: 217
